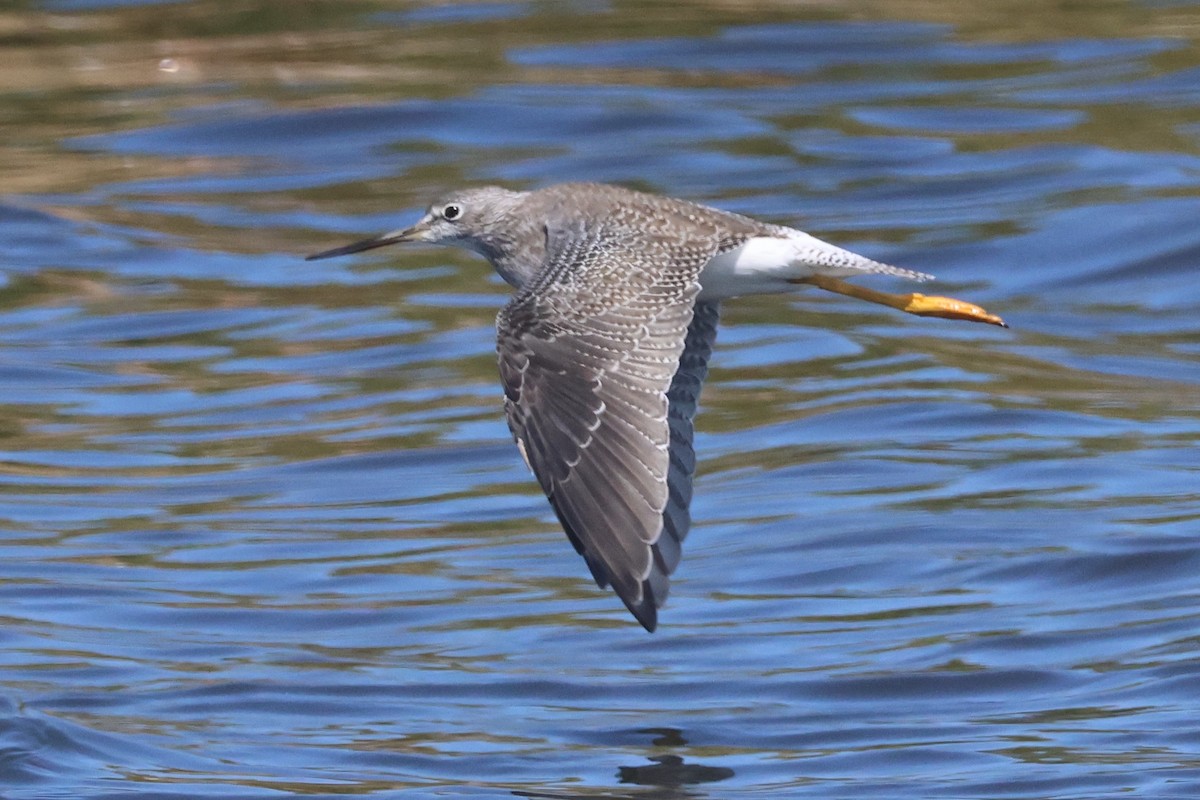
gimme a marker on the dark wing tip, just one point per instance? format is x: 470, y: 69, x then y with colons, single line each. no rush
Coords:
x: 644, y: 610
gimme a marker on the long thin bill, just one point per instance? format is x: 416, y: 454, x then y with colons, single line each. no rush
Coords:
x: 919, y: 304
x: 392, y: 237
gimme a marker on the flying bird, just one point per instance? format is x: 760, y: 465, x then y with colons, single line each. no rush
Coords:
x: 604, y: 346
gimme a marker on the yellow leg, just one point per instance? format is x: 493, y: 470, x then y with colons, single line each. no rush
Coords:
x: 919, y: 304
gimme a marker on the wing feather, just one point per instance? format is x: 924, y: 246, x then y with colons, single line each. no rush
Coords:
x: 602, y: 358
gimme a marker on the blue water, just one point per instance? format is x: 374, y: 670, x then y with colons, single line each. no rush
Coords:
x: 264, y: 532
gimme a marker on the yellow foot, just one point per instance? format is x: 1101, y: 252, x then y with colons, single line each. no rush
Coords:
x: 949, y: 308
x: 919, y: 304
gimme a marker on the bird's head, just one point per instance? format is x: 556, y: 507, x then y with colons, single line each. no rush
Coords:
x: 469, y: 218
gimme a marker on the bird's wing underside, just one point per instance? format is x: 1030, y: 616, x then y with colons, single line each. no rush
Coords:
x: 683, y: 398
x: 599, y: 402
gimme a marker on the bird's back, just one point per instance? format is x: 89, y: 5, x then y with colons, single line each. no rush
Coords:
x: 644, y: 215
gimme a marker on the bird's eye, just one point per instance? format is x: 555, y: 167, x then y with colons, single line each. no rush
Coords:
x: 452, y: 212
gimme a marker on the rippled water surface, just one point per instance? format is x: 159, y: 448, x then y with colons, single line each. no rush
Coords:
x: 264, y: 531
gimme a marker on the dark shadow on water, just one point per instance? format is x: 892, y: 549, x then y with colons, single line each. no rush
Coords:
x: 666, y: 777
x: 669, y: 773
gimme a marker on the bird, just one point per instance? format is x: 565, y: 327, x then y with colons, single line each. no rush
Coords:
x: 605, y: 343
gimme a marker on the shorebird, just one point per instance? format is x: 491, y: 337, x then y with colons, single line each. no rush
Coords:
x: 605, y: 343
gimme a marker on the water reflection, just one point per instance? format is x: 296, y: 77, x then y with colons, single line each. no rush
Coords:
x: 667, y: 776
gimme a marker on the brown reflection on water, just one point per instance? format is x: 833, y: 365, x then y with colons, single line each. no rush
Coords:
x: 72, y: 73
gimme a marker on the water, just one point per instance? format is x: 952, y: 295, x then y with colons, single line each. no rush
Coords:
x: 264, y: 530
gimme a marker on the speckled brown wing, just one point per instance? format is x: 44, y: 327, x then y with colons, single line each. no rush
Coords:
x: 588, y: 354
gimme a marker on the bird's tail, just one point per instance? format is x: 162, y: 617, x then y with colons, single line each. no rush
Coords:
x: 824, y: 258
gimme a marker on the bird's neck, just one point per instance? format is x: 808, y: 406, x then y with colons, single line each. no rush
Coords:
x: 516, y: 251
x: 517, y: 270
